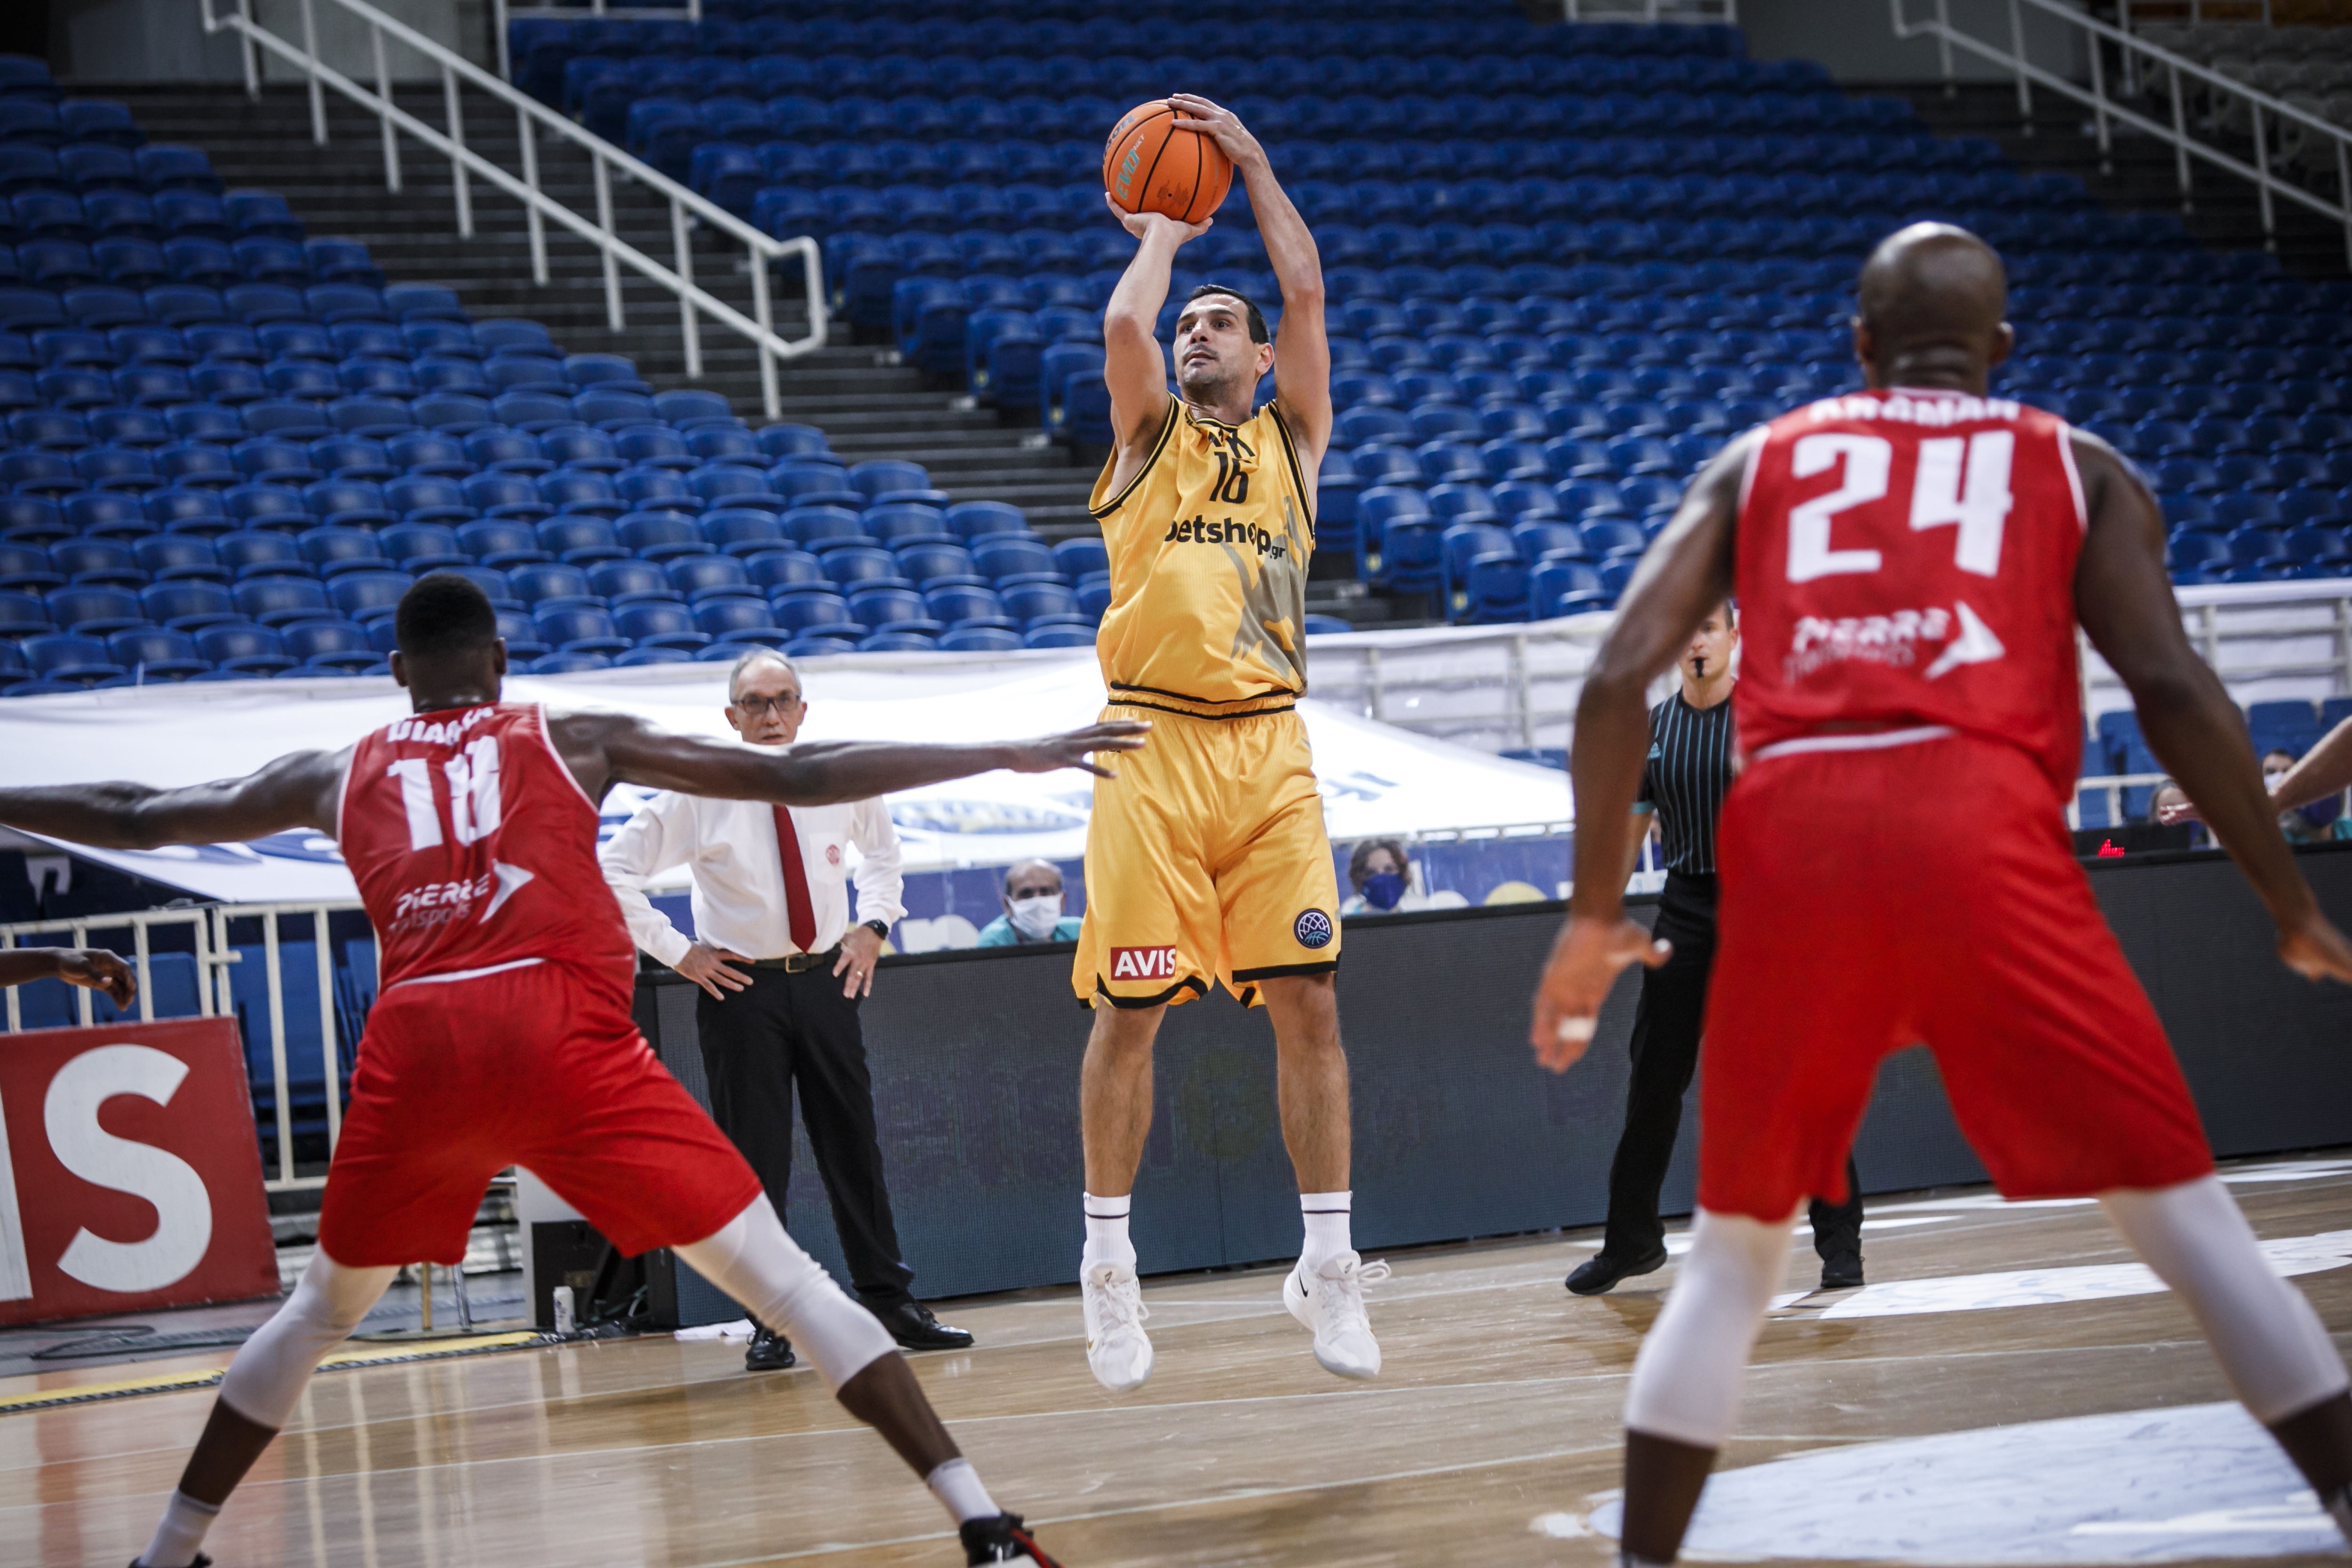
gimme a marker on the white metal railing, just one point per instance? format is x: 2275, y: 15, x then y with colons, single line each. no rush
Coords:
x: 531, y: 117
x: 501, y: 14
x: 2266, y: 114
x: 214, y: 953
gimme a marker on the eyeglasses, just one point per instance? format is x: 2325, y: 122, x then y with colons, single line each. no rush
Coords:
x: 753, y: 707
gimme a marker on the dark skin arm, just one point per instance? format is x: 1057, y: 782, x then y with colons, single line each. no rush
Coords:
x: 2124, y: 598
x: 92, y: 967
x: 2323, y: 771
x: 1685, y: 574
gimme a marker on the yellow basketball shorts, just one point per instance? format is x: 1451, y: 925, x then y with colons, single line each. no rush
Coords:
x: 1206, y: 862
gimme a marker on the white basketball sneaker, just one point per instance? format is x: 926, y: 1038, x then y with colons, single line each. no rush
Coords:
x: 1330, y: 1302
x: 1118, y: 1350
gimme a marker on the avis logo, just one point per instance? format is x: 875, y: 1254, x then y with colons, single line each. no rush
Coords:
x: 1143, y: 963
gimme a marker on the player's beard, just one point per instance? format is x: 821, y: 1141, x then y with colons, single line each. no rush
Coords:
x: 1209, y: 384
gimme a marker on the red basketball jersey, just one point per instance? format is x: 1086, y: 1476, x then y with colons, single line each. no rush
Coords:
x: 475, y: 849
x: 1906, y: 559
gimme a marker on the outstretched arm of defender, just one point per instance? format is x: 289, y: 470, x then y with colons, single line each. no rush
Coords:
x: 92, y: 968
x: 1686, y: 573
x: 1302, y: 351
x: 1132, y: 366
x: 298, y: 790
x: 2123, y: 596
x: 605, y: 749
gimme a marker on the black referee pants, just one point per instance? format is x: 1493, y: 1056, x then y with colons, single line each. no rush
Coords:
x: 1666, y: 1025
x: 786, y: 1029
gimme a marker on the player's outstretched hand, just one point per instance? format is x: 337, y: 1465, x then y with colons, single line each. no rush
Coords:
x: 1585, y: 961
x: 2315, y: 950
x: 1141, y: 225
x: 1072, y: 750
x: 98, y: 970
x: 1197, y: 114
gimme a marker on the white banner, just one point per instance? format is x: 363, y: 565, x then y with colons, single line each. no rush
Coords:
x: 1377, y: 778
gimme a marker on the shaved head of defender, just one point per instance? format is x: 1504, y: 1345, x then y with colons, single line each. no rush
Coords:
x: 1934, y: 300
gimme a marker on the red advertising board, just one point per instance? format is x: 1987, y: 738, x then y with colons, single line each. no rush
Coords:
x: 130, y: 1176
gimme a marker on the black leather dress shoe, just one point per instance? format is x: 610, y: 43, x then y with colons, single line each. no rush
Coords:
x: 1600, y: 1273
x: 203, y: 1562
x: 769, y: 1351
x: 911, y: 1324
x: 1841, y: 1274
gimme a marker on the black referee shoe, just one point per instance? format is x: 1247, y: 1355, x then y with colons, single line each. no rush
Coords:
x: 911, y: 1324
x: 1001, y: 1539
x: 202, y: 1562
x: 1600, y: 1273
x: 1843, y: 1273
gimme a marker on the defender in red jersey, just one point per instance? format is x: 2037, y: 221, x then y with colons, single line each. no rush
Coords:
x: 502, y: 1032
x: 1911, y: 564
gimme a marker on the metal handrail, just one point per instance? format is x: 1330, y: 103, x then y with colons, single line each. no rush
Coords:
x: 2137, y: 55
x: 531, y: 116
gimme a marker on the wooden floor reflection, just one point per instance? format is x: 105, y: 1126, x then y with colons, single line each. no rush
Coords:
x: 1498, y: 1405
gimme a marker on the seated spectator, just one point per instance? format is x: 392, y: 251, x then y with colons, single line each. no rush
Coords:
x: 1381, y: 874
x: 2167, y: 798
x: 1032, y: 908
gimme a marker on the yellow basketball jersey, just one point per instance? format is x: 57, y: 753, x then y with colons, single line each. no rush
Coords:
x: 1209, y: 546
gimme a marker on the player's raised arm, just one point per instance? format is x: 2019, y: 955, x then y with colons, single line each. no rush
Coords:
x: 1302, y: 351
x: 298, y: 790
x: 1686, y: 573
x: 1132, y: 366
x: 605, y: 749
x: 93, y: 968
x: 2123, y: 596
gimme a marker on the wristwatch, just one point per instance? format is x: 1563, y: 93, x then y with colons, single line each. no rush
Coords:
x: 879, y: 928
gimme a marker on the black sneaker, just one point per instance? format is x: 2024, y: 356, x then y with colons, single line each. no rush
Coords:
x: 202, y: 1562
x: 769, y: 1351
x: 1841, y: 1274
x: 1600, y: 1273
x: 1001, y: 1539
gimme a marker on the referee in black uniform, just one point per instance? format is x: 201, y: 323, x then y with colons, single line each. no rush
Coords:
x: 1689, y: 770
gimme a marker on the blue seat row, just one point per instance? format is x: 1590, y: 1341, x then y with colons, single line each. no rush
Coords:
x: 25, y: 308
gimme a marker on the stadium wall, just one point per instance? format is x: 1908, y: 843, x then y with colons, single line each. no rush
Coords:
x: 975, y: 1060
x: 164, y: 41
x: 1855, y: 39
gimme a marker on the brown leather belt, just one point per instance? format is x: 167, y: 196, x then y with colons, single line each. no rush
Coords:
x: 800, y: 963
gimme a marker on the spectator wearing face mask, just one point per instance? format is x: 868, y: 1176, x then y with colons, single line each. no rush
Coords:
x: 1032, y: 908
x: 1382, y: 875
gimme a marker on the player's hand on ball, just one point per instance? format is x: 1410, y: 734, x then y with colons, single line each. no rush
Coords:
x: 2315, y: 950
x: 1142, y: 224
x: 1221, y: 124
x: 1585, y: 961
x: 1072, y: 750
x: 98, y: 970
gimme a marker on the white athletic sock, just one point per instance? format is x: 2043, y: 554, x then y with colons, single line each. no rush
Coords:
x: 2271, y: 1344
x: 1106, y: 1240
x: 1687, y: 1378
x: 754, y: 1260
x: 179, y: 1533
x: 957, y: 1486
x: 1326, y: 1215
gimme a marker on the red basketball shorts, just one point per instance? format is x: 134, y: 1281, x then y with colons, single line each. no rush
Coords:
x: 1875, y: 900
x: 533, y: 1067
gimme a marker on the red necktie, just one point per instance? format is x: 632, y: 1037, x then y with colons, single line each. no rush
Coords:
x: 797, y: 909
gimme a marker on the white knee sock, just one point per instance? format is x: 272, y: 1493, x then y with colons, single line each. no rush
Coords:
x: 1106, y: 1240
x: 754, y: 1260
x: 1687, y: 1378
x: 180, y: 1533
x: 2271, y: 1344
x: 266, y: 1377
x: 957, y: 1486
x: 1326, y: 1217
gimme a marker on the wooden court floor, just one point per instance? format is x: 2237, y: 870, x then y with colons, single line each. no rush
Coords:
x: 1491, y: 1433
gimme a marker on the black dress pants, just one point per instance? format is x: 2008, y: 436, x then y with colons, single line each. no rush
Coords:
x: 1667, y: 1022
x: 786, y: 1029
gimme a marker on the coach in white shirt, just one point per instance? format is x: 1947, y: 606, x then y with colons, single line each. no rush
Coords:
x: 782, y: 969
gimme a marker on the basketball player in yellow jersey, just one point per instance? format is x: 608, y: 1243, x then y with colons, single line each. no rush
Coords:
x: 1206, y: 860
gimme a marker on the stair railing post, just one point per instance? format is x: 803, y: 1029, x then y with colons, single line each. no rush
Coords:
x: 2099, y: 107
x: 763, y: 311
x: 2180, y: 143
x: 311, y: 65
x: 384, y: 114
x: 527, y: 132
x: 613, y: 317
x: 498, y: 25
x: 1944, y: 47
x: 2131, y: 66
x: 682, y: 246
x: 2263, y: 177
x: 459, y: 187
x: 246, y: 52
x: 2344, y: 192
x: 2017, y: 48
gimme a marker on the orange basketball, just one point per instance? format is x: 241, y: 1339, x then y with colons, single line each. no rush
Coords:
x: 1148, y: 165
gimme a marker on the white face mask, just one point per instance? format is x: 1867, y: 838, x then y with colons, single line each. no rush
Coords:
x: 1034, y: 916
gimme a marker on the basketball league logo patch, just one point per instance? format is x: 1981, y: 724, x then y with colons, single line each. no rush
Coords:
x: 1313, y: 928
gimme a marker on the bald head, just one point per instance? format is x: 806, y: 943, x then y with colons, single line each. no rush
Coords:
x: 1933, y: 297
